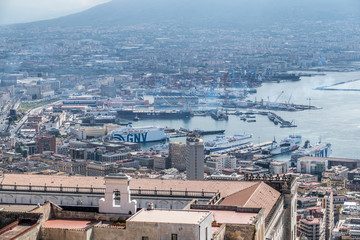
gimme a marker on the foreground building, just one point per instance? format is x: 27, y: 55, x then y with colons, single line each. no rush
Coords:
x: 257, y: 208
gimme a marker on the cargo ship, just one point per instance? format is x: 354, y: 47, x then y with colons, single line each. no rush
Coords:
x: 225, y: 142
x: 288, y: 144
x: 139, y: 134
x: 171, y: 114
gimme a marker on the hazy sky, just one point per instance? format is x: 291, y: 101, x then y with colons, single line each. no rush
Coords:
x: 16, y: 11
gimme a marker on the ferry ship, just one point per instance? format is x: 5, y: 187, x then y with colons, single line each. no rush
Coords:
x: 171, y: 114
x: 139, y: 134
x: 225, y: 142
x: 316, y: 150
x: 288, y: 144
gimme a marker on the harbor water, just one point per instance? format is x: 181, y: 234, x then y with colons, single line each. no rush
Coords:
x: 337, y: 122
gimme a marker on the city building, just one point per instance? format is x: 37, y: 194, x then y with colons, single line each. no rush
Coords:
x: 177, y: 155
x: 277, y: 167
x: 194, y: 157
x: 45, y: 142
x: 312, y: 228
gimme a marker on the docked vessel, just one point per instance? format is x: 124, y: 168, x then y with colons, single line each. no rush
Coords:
x: 172, y: 114
x: 316, y: 150
x: 288, y: 144
x: 222, y: 142
x: 139, y: 134
x: 219, y: 115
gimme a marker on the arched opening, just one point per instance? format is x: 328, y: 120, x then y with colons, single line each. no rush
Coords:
x: 116, y: 198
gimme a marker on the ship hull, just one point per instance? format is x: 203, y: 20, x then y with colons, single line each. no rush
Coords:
x: 223, y: 145
x: 139, y: 135
x: 282, y: 150
x: 124, y: 114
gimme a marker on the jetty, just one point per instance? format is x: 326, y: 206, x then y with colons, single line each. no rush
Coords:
x: 182, y: 132
x: 276, y: 119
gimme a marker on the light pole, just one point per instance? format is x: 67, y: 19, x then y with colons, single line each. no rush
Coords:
x: 309, y: 102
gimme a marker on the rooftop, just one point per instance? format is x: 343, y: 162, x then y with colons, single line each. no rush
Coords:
x: 259, y: 195
x: 17, y: 207
x: 170, y: 216
x: 233, y: 217
x: 225, y: 188
x: 67, y: 224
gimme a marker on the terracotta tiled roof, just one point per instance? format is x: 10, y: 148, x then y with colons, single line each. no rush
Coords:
x: 67, y: 224
x: 258, y: 195
x: 225, y: 188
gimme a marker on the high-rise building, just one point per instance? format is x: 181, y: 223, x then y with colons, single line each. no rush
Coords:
x: 45, y: 142
x: 194, y: 157
x: 177, y: 155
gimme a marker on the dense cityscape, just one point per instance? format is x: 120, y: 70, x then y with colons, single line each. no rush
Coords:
x: 82, y: 125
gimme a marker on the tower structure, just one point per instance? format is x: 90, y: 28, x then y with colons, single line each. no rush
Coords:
x: 194, y: 157
x: 117, y: 195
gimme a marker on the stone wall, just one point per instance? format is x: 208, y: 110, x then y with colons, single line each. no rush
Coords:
x: 7, y: 218
x: 220, y: 233
x: 30, y: 234
x: 275, y: 219
x: 243, y: 232
x: 68, y: 234
x: 91, y: 200
x: 109, y: 233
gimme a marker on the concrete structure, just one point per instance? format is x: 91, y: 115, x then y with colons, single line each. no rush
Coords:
x: 45, y: 142
x: 316, y: 164
x: 277, y: 167
x: 95, y: 132
x: 117, y: 195
x: 78, y: 132
x: 328, y: 205
x: 312, y: 165
x: 347, y: 229
x: 177, y: 155
x: 312, y: 228
x: 170, y: 224
x: 221, y: 162
x: 257, y: 208
x: 194, y: 157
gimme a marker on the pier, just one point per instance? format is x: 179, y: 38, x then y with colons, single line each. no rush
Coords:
x: 182, y: 132
x: 276, y: 119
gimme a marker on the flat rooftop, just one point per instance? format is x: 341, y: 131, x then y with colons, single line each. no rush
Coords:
x: 68, y: 224
x: 232, y: 217
x: 170, y: 216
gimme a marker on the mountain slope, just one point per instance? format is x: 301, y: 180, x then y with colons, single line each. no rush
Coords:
x: 220, y: 13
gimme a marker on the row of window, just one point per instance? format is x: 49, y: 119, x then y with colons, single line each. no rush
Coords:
x: 173, y: 237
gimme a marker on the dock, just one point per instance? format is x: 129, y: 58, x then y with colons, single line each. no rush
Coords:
x: 248, y: 148
x: 276, y: 119
x: 182, y: 132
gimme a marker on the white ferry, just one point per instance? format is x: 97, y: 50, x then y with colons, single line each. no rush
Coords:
x: 288, y: 144
x: 316, y: 150
x: 222, y: 142
x: 139, y: 134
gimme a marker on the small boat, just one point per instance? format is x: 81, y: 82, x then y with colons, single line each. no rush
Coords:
x: 251, y: 120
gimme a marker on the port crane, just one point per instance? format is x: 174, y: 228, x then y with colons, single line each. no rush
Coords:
x: 278, y: 96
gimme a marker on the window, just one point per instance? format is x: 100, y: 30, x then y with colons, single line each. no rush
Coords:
x: 116, y: 198
x: 174, y: 237
x: 144, y: 238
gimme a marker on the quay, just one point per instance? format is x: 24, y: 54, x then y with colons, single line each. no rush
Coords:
x: 248, y: 148
x: 182, y: 132
x: 276, y: 119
